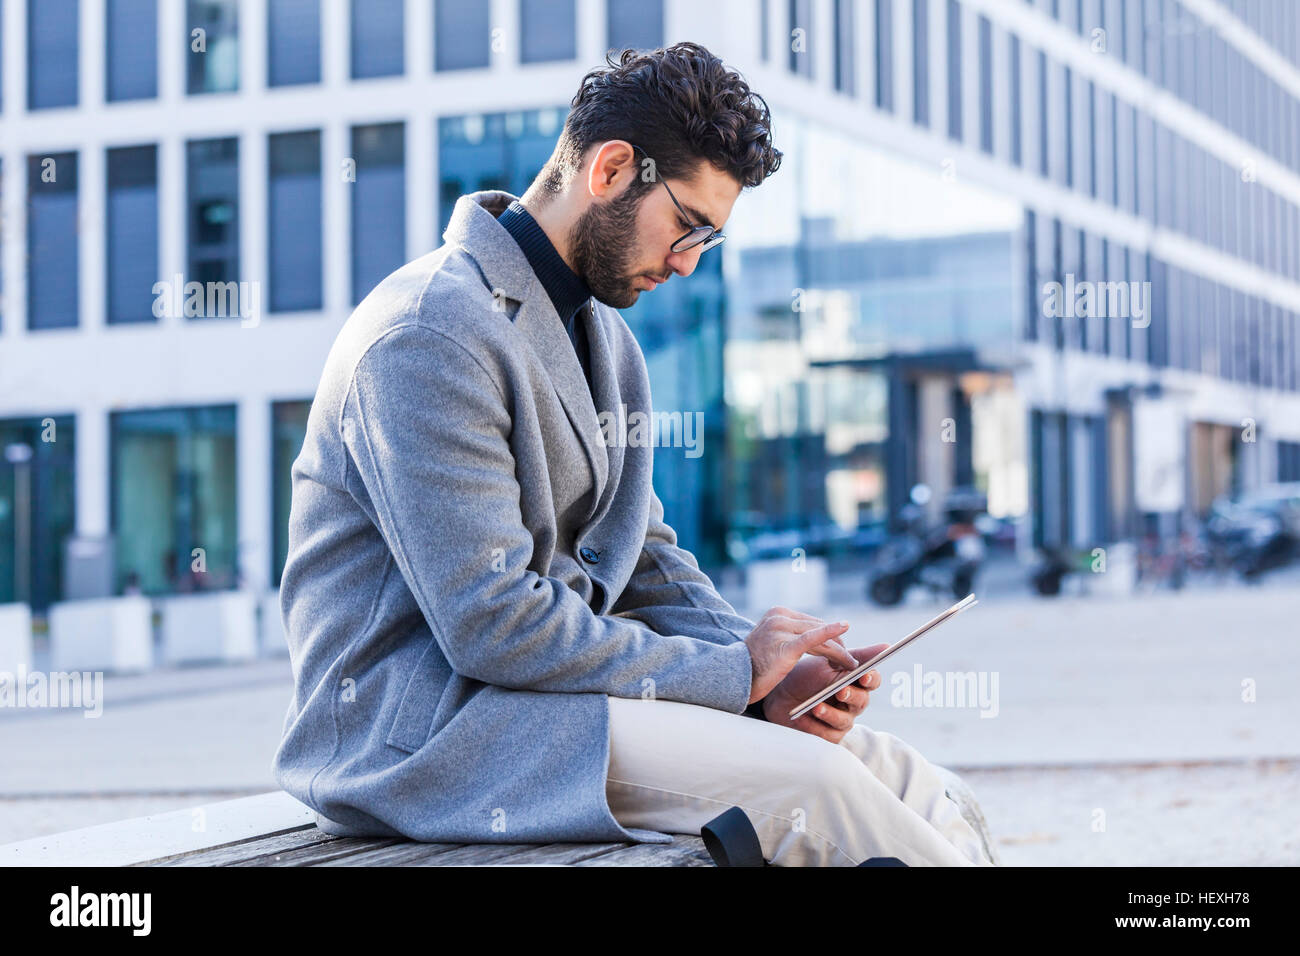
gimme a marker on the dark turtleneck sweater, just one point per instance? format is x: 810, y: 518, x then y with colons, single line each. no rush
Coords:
x: 567, y: 291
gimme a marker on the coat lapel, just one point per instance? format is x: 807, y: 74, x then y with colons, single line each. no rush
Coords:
x: 474, y: 228
x: 541, y: 327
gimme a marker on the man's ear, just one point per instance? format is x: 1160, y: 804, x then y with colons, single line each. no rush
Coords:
x: 612, y: 164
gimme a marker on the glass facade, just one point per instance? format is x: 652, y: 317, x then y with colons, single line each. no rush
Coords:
x: 173, y: 499
x: 52, y: 62
x: 37, y: 507
x: 131, y: 236
x: 53, y: 275
x: 851, y: 312
x: 378, y: 205
x: 493, y: 151
x: 462, y: 35
x: 634, y: 24
x: 548, y: 30
x: 293, y: 221
x: 212, y: 202
x: 288, y: 429
x: 212, y: 32
x: 377, y: 41
x: 131, y: 49
x: 292, y: 42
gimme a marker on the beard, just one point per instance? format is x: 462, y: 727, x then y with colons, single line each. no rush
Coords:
x: 600, y: 243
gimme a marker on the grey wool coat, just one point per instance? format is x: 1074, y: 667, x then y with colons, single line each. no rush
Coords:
x: 473, y: 569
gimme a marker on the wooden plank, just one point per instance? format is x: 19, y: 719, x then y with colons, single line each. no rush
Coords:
x: 410, y: 853
x: 250, y: 850
x: 683, y: 851
x: 321, y: 852
x: 559, y: 854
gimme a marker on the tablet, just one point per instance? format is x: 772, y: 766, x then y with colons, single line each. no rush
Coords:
x: 850, y: 677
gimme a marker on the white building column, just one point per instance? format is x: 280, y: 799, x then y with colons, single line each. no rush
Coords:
x: 252, y: 47
x: 421, y: 175
x: 419, y: 39
x: 13, y: 323
x: 13, y: 176
x: 335, y: 37
x: 92, y: 292
x: 173, y: 48
x: 92, y: 472
x: 336, y: 219
x: 253, y: 261
x: 938, y: 81
x: 92, y: 56
x: 253, y: 458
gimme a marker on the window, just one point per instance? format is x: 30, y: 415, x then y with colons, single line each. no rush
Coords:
x: 462, y: 37
x: 986, y: 84
x: 801, y: 37
x: 213, y: 44
x: 174, y: 491
x: 132, y: 233
x: 1042, y: 114
x: 131, y: 50
x: 549, y: 29
x: 885, y: 55
x: 493, y: 151
x: 845, y: 37
x: 377, y: 41
x: 37, y: 497
x: 921, y: 62
x: 1017, y: 143
x: 636, y: 24
x: 954, y: 70
x: 292, y: 42
x: 288, y: 430
x: 52, y: 260
x: 52, y: 73
x: 1067, y: 93
x: 212, y: 203
x: 378, y: 205
x: 293, y: 227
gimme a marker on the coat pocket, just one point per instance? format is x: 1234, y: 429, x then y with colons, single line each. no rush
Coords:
x: 410, y: 729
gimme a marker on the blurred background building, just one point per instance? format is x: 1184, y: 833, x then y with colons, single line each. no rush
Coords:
x: 877, y: 318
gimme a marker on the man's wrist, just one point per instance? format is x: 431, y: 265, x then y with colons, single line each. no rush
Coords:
x: 756, y: 710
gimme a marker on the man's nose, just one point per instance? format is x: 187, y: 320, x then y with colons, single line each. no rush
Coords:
x: 684, y: 263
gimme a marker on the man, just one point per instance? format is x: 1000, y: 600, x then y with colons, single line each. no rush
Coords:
x: 494, y: 635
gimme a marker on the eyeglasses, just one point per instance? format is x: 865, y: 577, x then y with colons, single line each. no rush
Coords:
x: 705, y: 236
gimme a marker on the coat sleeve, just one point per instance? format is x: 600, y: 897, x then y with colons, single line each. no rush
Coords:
x: 427, y: 434
x: 671, y: 595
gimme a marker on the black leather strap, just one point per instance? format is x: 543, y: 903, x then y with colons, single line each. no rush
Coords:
x: 732, y: 840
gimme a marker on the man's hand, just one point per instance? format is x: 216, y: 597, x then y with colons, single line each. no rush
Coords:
x: 782, y: 637
x: 834, y: 717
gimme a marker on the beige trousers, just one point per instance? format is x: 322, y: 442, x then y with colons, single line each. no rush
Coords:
x: 674, y: 766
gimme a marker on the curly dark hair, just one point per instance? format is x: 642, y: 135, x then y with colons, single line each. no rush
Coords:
x: 679, y: 104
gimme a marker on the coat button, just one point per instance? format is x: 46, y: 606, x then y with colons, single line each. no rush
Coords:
x: 590, y: 556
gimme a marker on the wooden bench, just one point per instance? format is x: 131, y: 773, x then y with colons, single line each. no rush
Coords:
x: 274, y: 829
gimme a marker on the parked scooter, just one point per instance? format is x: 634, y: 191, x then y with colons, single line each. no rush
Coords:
x: 944, y: 559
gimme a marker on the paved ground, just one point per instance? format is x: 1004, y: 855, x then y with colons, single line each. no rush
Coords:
x: 1090, y: 692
